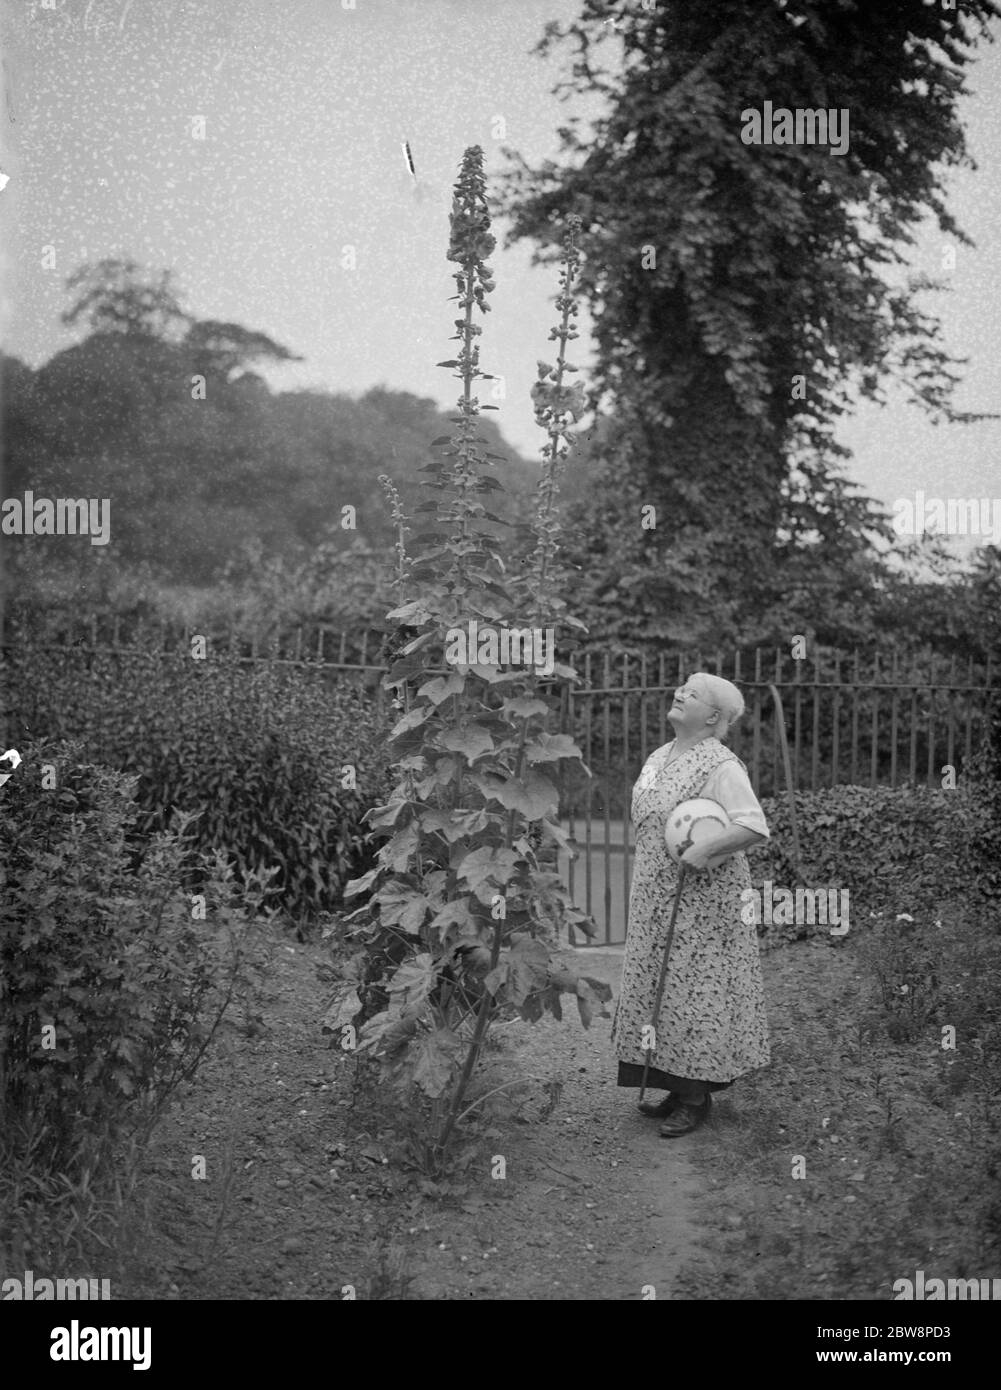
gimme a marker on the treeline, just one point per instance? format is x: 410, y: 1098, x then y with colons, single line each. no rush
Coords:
x: 203, y: 463
x: 228, y: 506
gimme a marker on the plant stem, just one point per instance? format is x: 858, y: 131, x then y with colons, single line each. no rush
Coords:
x: 482, y: 1019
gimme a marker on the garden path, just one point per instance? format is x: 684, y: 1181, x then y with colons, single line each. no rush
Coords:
x: 298, y: 1202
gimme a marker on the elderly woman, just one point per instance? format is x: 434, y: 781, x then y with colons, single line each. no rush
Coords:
x: 712, y: 1026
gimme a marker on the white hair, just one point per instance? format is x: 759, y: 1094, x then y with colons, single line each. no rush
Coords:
x: 724, y: 697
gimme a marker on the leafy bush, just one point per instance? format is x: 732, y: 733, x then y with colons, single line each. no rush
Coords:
x: 112, y: 985
x: 904, y: 965
x: 895, y: 849
x: 261, y: 755
x: 985, y: 787
x: 939, y: 967
x: 888, y: 1108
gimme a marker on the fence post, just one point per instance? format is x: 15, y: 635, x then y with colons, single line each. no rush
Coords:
x: 815, y: 751
x: 836, y: 723
x: 929, y: 775
x: 913, y: 758
x: 756, y: 745
x: 589, y: 786
x: 874, y: 731
x: 627, y: 781
x: 775, y: 724
x: 894, y: 716
x: 797, y: 667
x: 950, y: 750
x: 606, y: 685
x: 855, y: 691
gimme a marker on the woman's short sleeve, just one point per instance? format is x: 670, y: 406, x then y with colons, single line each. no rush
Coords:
x: 730, y: 785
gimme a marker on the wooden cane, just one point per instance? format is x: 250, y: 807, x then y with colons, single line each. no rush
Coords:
x: 663, y: 976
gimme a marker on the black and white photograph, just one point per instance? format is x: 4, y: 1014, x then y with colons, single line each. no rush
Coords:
x: 500, y: 670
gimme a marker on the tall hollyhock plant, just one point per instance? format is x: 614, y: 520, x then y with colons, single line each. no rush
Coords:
x: 462, y: 921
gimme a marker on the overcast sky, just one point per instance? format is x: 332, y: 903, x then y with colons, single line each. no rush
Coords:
x: 305, y: 104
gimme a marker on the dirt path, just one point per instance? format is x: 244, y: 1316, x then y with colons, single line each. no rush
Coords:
x: 297, y: 1204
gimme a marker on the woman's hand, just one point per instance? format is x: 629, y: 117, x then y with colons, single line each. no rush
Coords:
x: 711, y: 853
x: 698, y: 857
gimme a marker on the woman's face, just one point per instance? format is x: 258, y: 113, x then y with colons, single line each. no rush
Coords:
x: 692, y: 710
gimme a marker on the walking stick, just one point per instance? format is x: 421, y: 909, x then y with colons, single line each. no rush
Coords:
x: 683, y: 869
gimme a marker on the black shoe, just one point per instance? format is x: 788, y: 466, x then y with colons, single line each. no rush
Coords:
x: 685, y: 1118
x: 658, y: 1110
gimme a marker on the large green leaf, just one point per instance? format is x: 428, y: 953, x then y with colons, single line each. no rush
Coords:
x: 441, y: 687
x: 341, y: 1012
x: 552, y: 830
x: 437, y: 1056
x: 415, y: 979
x: 454, y: 825
x: 454, y: 914
x: 402, y: 670
x: 398, y: 851
x: 386, y: 1032
x: 379, y: 817
x: 400, y: 904
x: 495, y: 675
x: 487, y: 870
x: 354, y: 886
x: 444, y: 771
x: 549, y: 748
x: 472, y: 742
x: 413, y: 719
x: 433, y: 885
x: 524, y: 706
x: 533, y: 795
x: 413, y: 614
x: 424, y: 640
x: 528, y: 970
x: 589, y: 1001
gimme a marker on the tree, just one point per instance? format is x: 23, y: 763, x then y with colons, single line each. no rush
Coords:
x: 228, y: 349
x: 742, y: 294
x: 942, y: 602
x: 119, y: 296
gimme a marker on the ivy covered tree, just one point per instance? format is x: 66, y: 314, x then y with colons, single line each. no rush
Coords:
x: 743, y: 295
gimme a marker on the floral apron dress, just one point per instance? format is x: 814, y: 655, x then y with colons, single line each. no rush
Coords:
x: 712, y: 1024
